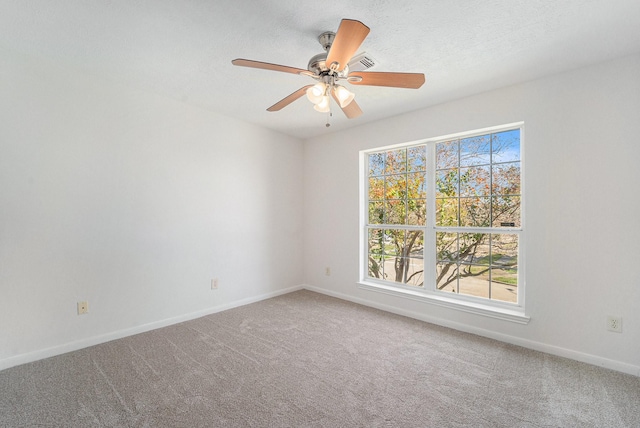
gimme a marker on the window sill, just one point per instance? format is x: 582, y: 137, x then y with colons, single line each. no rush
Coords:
x: 506, y: 314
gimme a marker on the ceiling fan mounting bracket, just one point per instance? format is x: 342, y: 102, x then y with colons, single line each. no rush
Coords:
x: 326, y: 39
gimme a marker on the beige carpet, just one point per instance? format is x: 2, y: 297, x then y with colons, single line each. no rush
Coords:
x: 307, y: 360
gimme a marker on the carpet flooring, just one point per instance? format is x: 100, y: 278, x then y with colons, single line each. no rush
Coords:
x: 308, y: 360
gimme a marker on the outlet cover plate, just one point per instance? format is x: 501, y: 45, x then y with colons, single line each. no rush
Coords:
x: 614, y: 324
x: 83, y: 308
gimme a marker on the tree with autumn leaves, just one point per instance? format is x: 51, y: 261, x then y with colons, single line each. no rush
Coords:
x: 397, y: 196
x: 477, y: 186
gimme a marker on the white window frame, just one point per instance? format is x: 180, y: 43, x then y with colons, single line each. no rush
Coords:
x: 514, y: 312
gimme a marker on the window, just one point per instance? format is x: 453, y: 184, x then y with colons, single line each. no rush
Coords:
x: 397, y: 215
x: 443, y: 217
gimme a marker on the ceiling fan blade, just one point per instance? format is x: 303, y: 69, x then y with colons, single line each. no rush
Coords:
x: 349, y: 37
x: 289, y: 99
x: 268, y: 66
x: 352, y: 110
x: 395, y: 80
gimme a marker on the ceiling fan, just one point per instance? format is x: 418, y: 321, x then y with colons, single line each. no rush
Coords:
x: 330, y: 67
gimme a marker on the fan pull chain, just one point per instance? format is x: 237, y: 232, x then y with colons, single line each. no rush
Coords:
x: 328, y: 117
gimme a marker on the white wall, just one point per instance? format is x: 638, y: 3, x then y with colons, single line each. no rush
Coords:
x: 134, y: 203
x: 582, y: 152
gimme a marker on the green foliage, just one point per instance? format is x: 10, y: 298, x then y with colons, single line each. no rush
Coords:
x: 511, y: 280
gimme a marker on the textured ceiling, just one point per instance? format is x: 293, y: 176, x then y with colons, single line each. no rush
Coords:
x: 183, y: 49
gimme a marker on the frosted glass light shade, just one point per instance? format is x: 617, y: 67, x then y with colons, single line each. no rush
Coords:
x: 316, y: 92
x: 344, y: 96
x: 323, y: 105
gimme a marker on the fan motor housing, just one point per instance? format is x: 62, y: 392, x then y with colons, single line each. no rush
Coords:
x: 318, y: 65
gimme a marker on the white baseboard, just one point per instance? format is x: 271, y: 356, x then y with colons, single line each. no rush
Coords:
x: 525, y: 343
x: 537, y: 346
x: 96, y: 340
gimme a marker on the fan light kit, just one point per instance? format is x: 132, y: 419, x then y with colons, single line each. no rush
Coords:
x: 318, y: 94
x: 330, y: 67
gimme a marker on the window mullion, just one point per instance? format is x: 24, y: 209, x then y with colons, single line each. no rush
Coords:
x: 430, y: 232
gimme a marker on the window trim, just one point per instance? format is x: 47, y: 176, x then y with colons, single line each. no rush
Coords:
x: 514, y: 312
x: 458, y: 303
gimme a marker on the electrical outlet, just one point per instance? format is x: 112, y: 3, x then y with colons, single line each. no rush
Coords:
x: 83, y: 308
x: 327, y: 271
x: 214, y: 284
x: 614, y: 324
